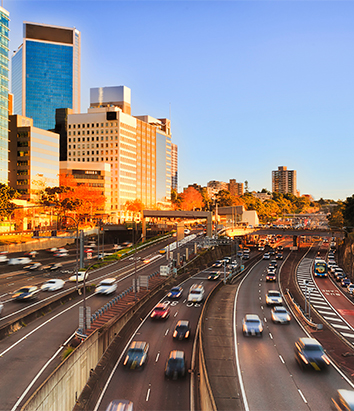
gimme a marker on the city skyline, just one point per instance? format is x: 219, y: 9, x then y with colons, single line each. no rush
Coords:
x: 250, y: 86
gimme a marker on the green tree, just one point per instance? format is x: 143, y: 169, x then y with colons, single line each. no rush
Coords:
x: 348, y: 211
x: 336, y: 218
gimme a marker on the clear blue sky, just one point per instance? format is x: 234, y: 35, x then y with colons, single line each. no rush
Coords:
x: 251, y: 85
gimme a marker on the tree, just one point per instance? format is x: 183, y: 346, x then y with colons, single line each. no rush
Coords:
x: 246, y: 187
x: 224, y: 198
x: 6, y: 195
x: 336, y: 218
x: 191, y: 199
x: 348, y: 211
x: 136, y: 206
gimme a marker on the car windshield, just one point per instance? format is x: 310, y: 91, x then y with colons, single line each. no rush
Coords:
x: 181, y: 328
x: 106, y: 284
x: 160, y: 309
x: 195, y: 292
x: 51, y: 282
x: 313, y: 348
x: 252, y: 321
x: 175, y: 290
x: 135, y: 351
x: 274, y: 293
x: 175, y: 362
x: 281, y: 310
x: 23, y: 290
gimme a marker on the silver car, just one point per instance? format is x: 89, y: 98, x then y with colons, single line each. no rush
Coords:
x: 280, y: 315
x: 252, y: 325
x: 273, y: 297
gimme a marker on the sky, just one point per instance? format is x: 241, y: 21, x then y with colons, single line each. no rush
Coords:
x: 248, y: 85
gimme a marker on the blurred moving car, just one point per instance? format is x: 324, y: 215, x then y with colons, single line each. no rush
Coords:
x: 175, y: 365
x: 279, y: 256
x: 271, y: 276
x: 32, y: 266
x: 345, y: 282
x: 280, y: 315
x: 25, y: 293
x: 309, y: 353
x: 160, y: 312
x: 163, y: 251
x: 217, y: 264
x: 19, y: 260
x: 120, y: 405
x: 266, y: 256
x: 350, y: 288
x: 31, y: 254
x: 196, y: 293
x: 252, y: 325
x: 137, y: 355
x: 61, y: 253
x: 53, y: 285
x: 81, y: 275
x: 273, y: 297
x: 1, y: 308
x: 175, y: 292
x: 344, y: 400
x: 3, y: 258
x: 107, y: 286
x: 215, y: 275
x: 182, y: 330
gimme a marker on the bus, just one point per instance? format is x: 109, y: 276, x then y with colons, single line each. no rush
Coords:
x: 320, y: 268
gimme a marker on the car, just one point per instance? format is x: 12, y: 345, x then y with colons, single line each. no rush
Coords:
x: 117, y: 247
x: 107, y: 286
x: 161, y: 312
x: 273, y: 297
x: 53, y: 285
x: 344, y: 400
x: 274, y: 263
x: 266, y: 256
x: 215, y: 275
x: 54, y: 266
x: 279, y: 256
x: 261, y: 248
x: 252, y: 325
x: 176, y: 365
x: 309, y: 353
x: 271, y: 276
x: 339, y: 277
x: 280, y: 315
x: 19, y: 260
x: 245, y: 256
x: 61, y: 254
x: 127, y: 244
x: 182, y: 330
x: 137, y: 355
x: 196, y: 293
x: 31, y: 254
x: 239, y: 254
x: 163, y: 251
x: 25, y: 293
x: 350, y: 288
x: 175, y: 292
x: 32, y: 266
x: 217, y: 264
x: 280, y: 248
x: 120, y: 405
x: 345, y: 282
x: 4, y: 259
x: 81, y: 275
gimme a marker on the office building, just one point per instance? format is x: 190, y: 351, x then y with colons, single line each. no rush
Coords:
x: 138, y: 149
x: 5, y: 103
x: 46, y: 73
x: 236, y: 189
x: 34, y: 157
x: 174, y: 167
x: 284, y: 181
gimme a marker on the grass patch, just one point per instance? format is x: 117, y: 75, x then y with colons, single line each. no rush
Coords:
x: 67, y: 352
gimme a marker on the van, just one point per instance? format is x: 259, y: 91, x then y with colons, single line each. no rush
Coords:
x: 196, y: 293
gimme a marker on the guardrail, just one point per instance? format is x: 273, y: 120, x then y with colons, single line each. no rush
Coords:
x: 302, y: 314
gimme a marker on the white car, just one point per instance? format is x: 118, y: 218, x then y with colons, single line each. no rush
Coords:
x: 19, y: 260
x: 53, y: 285
x: 196, y: 293
x: 107, y: 286
x: 3, y: 259
x: 350, y: 288
x: 266, y: 256
x: 32, y: 266
x: 80, y: 276
x: 280, y: 315
x: 273, y: 297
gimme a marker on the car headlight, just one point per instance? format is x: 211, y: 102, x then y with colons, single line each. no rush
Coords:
x: 126, y: 360
x: 175, y: 334
x: 288, y: 317
x: 152, y: 315
x: 169, y: 294
x: 325, y: 359
x: 142, y: 360
x: 187, y: 334
x: 164, y: 314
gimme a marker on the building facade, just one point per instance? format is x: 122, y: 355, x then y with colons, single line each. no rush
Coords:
x: 174, y: 167
x: 34, y: 157
x: 138, y: 149
x: 213, y: 187
x: 4, y: 95
x: 236, y: 189
x: 284, y: 181
x: 46, y: 73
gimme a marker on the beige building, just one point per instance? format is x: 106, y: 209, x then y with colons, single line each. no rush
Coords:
x: 236, y: 189
x: 284, y: 181
x: 33, y: 157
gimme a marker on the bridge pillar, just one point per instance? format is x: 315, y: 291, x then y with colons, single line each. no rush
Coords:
x: 143, y: 230
x: 209, y: 225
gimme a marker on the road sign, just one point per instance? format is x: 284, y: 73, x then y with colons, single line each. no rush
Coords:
x: 89, y: 256
x: 164, y: 270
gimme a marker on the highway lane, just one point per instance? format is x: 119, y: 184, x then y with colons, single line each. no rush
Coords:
x: 148, y: 389
x: 271, y: 377
x: 40, y: 342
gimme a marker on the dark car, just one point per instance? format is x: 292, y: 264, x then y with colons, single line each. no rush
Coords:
x: 175, y: 292
x: 217, y: 264
x: 309, y: 353
x: 175, y: 365
x: 182, y: 330
x: 280, y: 248
x: 245, y: 256
x: 137, y: 355
x: 345, y: 282
x: 274, y: 263
x: 214, y: 275
x: 160, y: 312
x: 279, y: 256
x: 25, y: 293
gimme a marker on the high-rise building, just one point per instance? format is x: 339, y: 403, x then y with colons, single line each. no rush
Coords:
x: 46, y: 73
x: 4, y: 95
x: 236, y: 189
x: 34, y: 157
x: 137, y: 148
x: 284, y: 181
x: 174, y: 167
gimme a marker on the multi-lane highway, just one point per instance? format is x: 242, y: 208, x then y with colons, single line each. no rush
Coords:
x: 268, y: 372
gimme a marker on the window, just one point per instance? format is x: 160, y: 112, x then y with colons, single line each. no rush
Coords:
x: 69, y: 140
x: 69, y: 134
x: 74, y: 125
x: 69, y: 125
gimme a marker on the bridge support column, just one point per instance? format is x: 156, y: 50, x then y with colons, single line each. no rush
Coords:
x: 209, y: 225
x: 143, y: 230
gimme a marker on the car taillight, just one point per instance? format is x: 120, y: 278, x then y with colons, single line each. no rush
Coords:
x: 187, y: 334
x: 142, y: 361
x: 126, y: 360
x: 303, y: 358
x: 152, y: 315
x: 164, y: 314
x: 326, y: 359
x: 175, y: 334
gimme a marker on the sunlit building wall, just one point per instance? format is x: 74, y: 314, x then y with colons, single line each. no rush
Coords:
x: 284, y: 181
x: 174, y: 167
x: 46, y: 73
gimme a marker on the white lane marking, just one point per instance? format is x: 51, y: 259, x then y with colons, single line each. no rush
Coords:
x: 332, y: 319
x: 40, y: 373
x: 176, y: 313
x: 343, y: 327
x: 261, y: 307
x: 270, y: 335
x: 260, y: 298
x: 40, y: 326
x: 167, y: 331
x: 259, y: 291
x: 347, y: 335
x: 265, y: 320
x: 157, y: 357
x: 281, y: 359
x: 329, y: 312
x: 147, y: 395
x: 302, y: 396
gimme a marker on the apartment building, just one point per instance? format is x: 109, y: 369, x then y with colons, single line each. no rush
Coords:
x: 33, y: 159
x: 174, y: 167
x: 236, y: 189
x: 284, y: 181
x: 213, y: 187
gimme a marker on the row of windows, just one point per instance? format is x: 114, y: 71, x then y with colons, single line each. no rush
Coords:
x: 92, y: 145
x: 115, y: 124
x: 79, y: 133
x: 92, y: 139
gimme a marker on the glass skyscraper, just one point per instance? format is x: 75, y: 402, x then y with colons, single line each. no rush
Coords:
x: 46, y: 73
x: 4, y: 95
